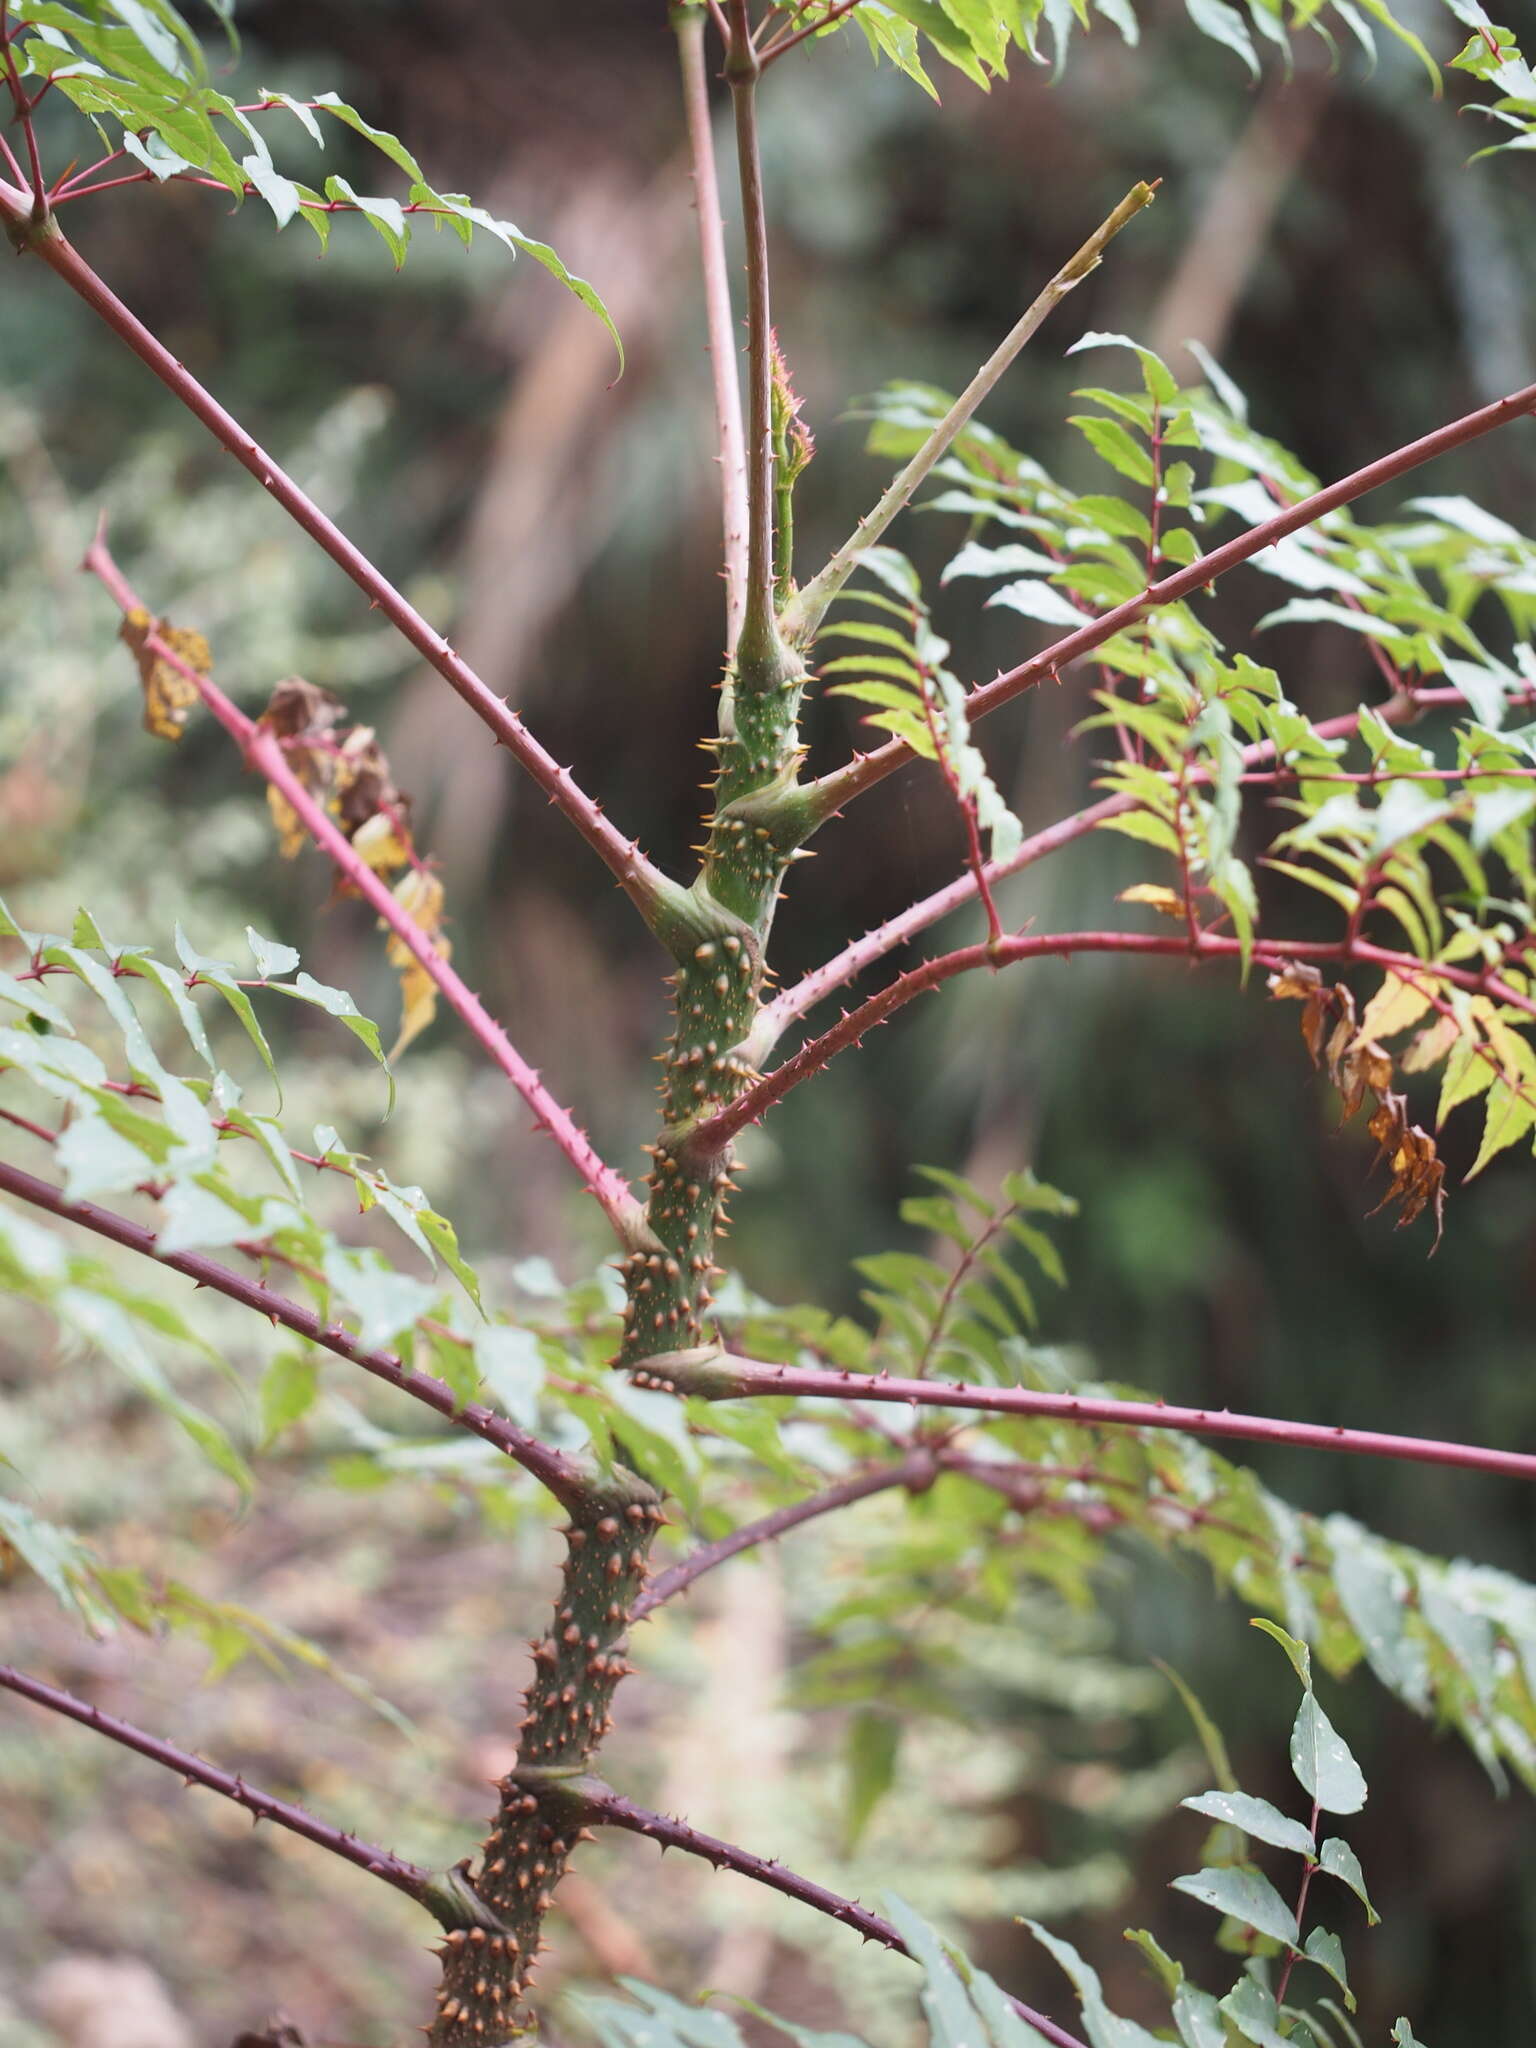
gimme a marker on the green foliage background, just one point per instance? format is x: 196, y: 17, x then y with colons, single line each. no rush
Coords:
x: 463, y: 420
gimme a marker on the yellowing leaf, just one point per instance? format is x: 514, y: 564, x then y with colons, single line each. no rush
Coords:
x: 1156, y: 896
x: 290, y: 833
x: 420, y: 894
x: 380, y: 844
x: 418, y: 1002
x: 1395, y: 1005
x: 1431, y: 1046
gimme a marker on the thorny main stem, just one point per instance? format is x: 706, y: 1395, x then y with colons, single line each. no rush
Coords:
x: 718, y: 939
x: 487, y: 1970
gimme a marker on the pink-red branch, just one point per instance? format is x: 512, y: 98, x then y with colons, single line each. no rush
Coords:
x: 394, y: 1870
x: 710, y: 1137
x: 645, y: 885
x: 608, y: 1808
x: 561, y: 1475
x: 831, y: 792
x: 787, y: 40
x: 792, y: 1002
x: 775, y: 1017
x: 916, y: 1472
x: 264, y: 752
x: 725, y: 1376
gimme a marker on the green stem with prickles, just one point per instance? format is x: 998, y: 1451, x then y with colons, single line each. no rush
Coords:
x: 489, y: 1966
x: 718, y: 938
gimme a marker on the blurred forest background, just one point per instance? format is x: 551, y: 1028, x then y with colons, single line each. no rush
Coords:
x: 1325, y: 238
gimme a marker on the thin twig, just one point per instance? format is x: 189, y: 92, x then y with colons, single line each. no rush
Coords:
x: 23, y: 109
x: 830, y: 792
x: 1308, y: 1871
x: 263, y: 752
x: 688, y: 23
x: 643, y: 883
x: 786, y: 40
x: 916, y: 1472
x: 561, y: 1475
x: 606, y: 1807
x: 726, y: 1376
x: 409, y: 1878
x: 804, y: 613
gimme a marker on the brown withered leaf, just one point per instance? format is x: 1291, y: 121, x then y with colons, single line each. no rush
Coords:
x: 1295, y: 981
x: 279, y: 2032
x: 1360, y: 1067
x: 343, y: 767
x: 1360, y: 1070
x: 361, y: 787
x: 169, y: 695
x: 420, y: 894
x: 297, y: 707
x: 1314, y: 1022
x: 304, y: 718
x: 1418, y: 1174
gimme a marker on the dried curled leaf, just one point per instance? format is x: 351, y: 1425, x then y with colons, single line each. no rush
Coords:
x: 169, y: 692
x: 345, y: 768
x: 1359, y: 1066
x: 297, y: 707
